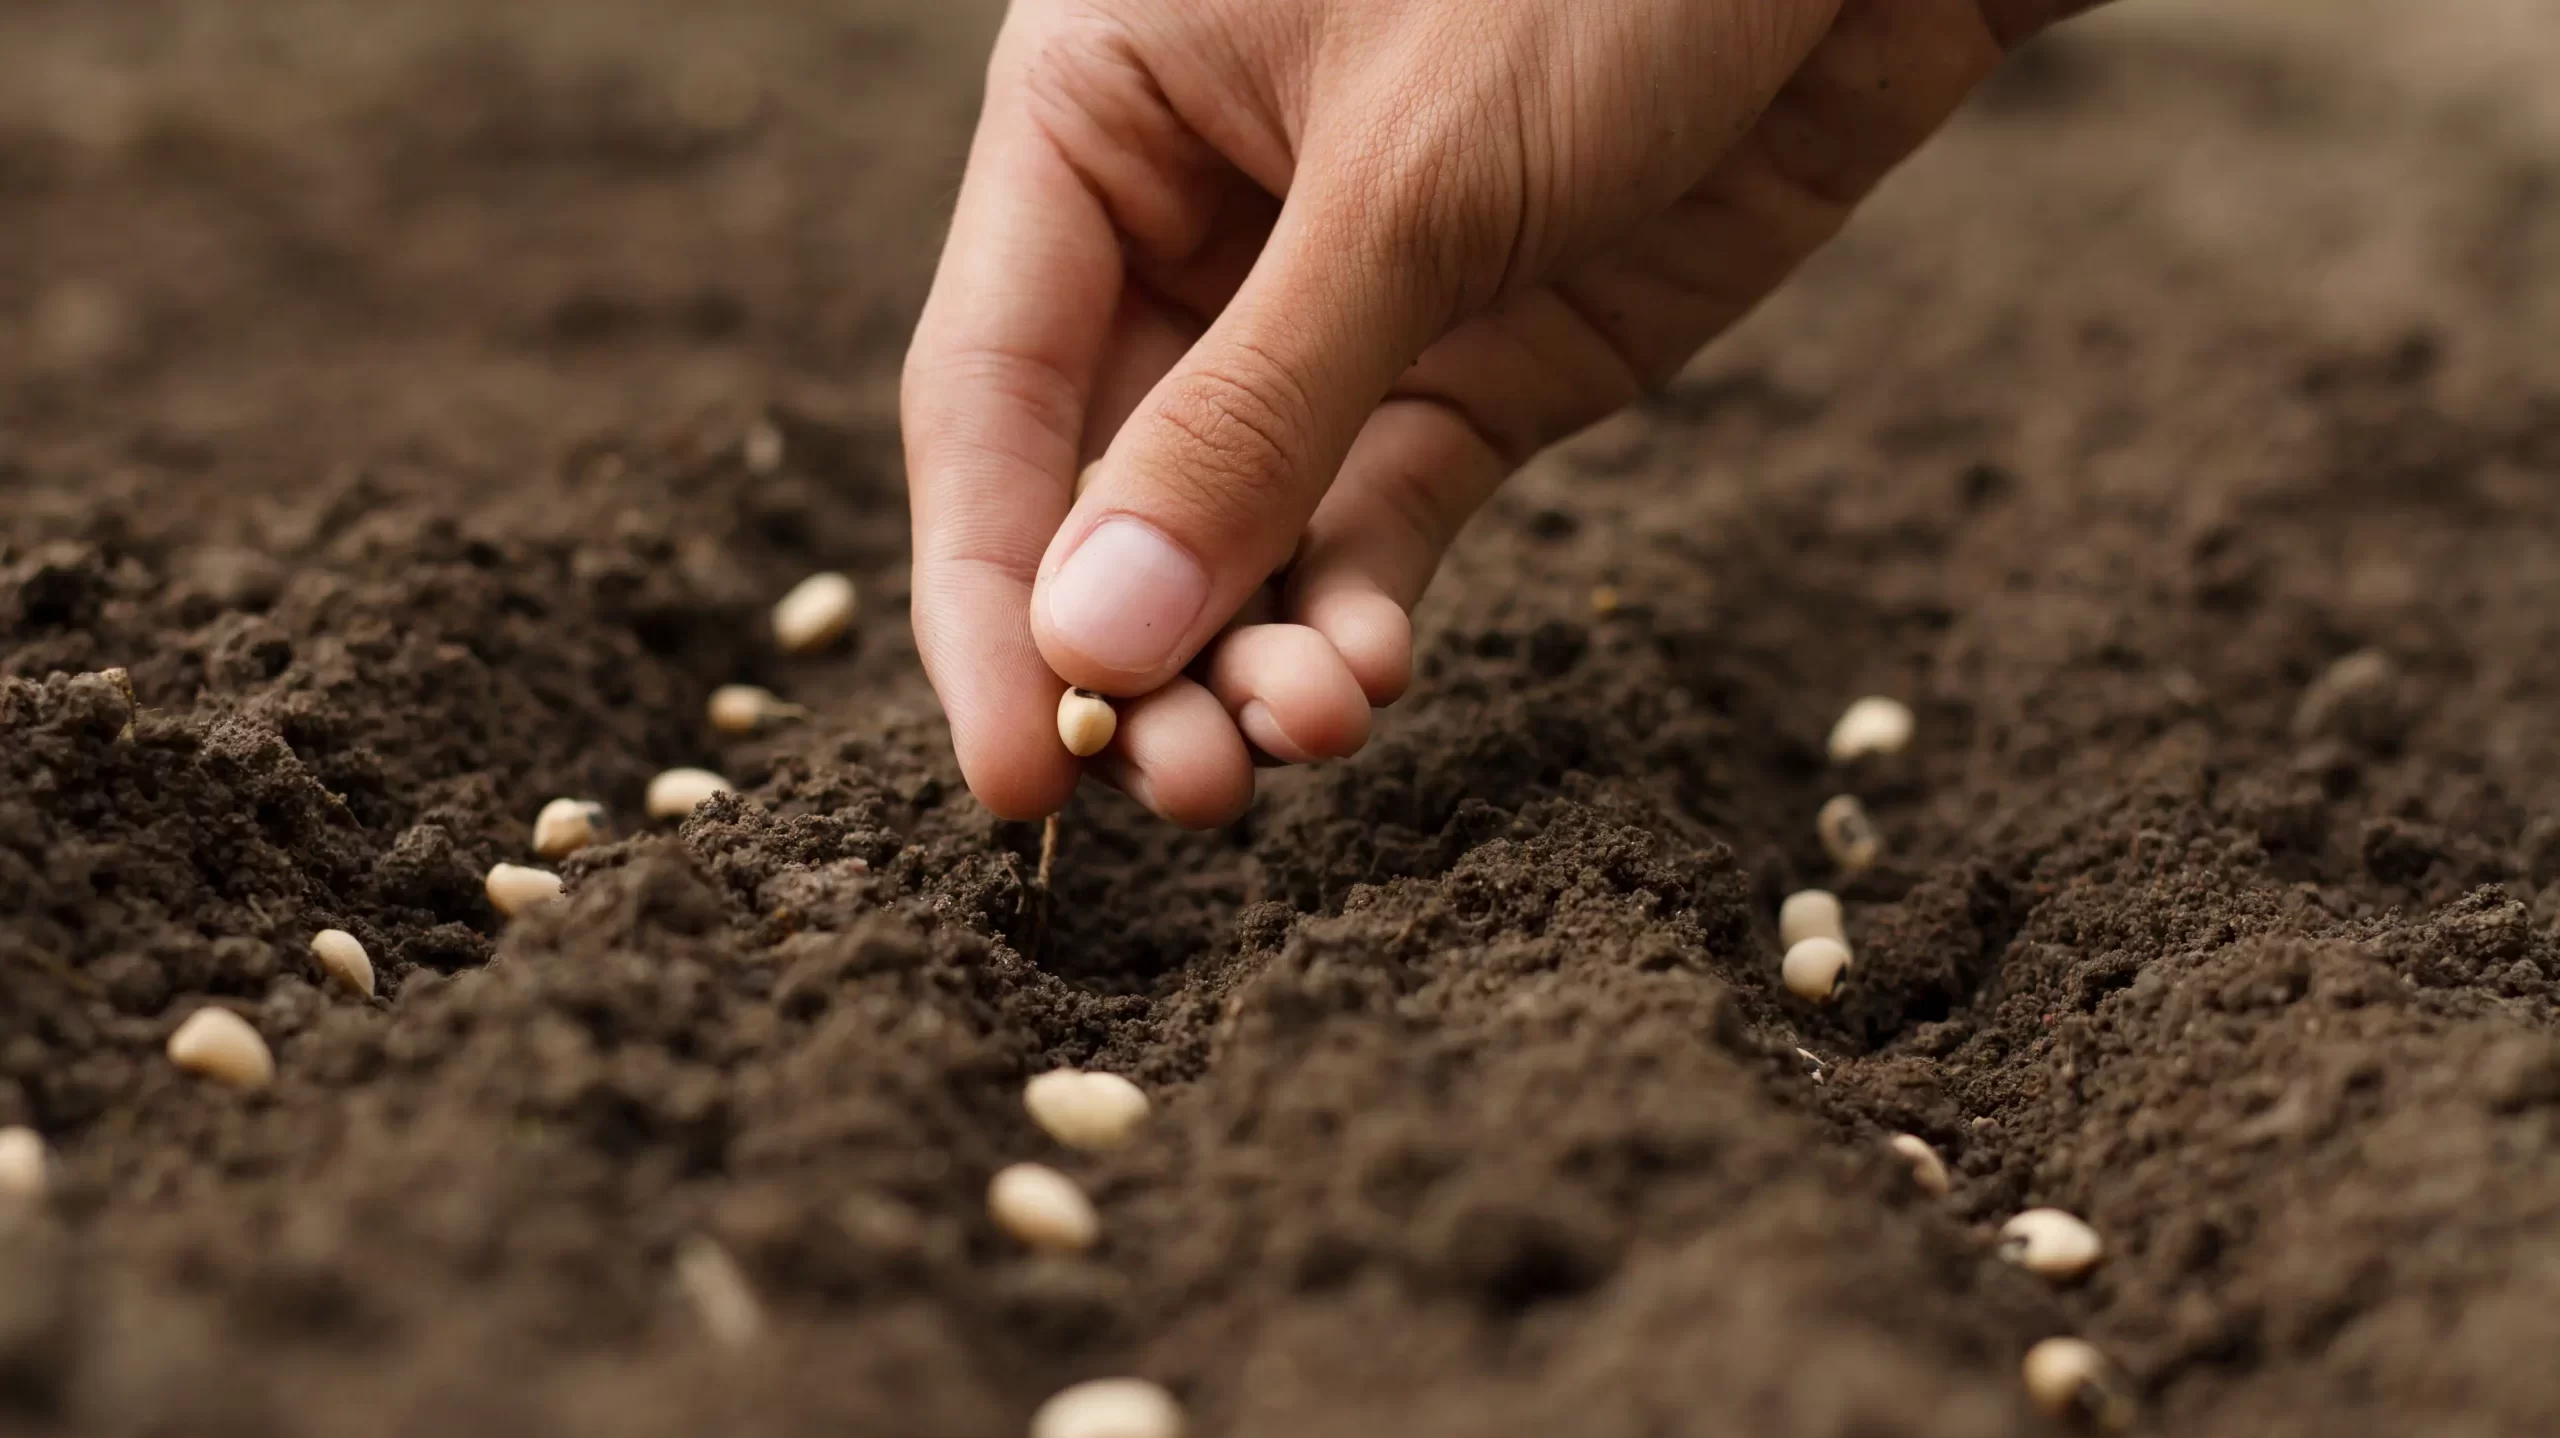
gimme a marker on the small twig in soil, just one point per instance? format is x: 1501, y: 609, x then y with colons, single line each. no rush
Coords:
x: 1040, y: 887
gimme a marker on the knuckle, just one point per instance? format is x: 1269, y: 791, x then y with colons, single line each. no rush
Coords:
x: 1233, y: 441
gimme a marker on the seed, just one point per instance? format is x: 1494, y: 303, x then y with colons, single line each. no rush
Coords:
x: 1873, y: 725
x: 1109, y: 1408
x: 1848, y: 835
x: 567, y: 825
x: 219, y: 1044
x: 2051, y: 1242
x: 1811, y: 914
x: 1084, y: 1109
x: 514, y: 888
x: 342, y: 957
x: 679, y: 792
x: 744, y: 708
x: 814, y: 614
x: 1043, y: 1208
x: 1086, y: 721
x: 1927, y: 1169
x: 762, y: 447
x: 719, y: 1291
x: 1813, y: 969
x: 1604, y: 600
x: 22, y: 1164
x: 2070, y: 1379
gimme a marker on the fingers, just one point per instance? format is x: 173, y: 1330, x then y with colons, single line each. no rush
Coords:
x: 1179, y: 754
x: 993, y: 409
x: 1289, y: 692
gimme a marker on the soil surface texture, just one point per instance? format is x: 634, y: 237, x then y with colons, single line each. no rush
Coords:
x: 390, y: 392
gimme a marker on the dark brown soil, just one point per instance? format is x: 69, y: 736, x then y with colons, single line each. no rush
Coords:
x: 371, y: 388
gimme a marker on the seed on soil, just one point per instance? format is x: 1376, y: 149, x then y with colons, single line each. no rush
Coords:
x: 1873, y: 725
x: 1604, y: 600
x: 1811, y: 914
x: 514, y: 888
x: 814, y: 614
x: 1928, y: 1171
x: 1813, y: 969
x: 1086, y: 721
x: 1109, y: 1408
x: 1084, y: 1109
x: 2051, y: 1242
x: 762, y: 447
x: 342, y: 957
x: 712, y: 1281
x: 218, y: 1044
x: 745, y: 708
x: 1043, y: 1208
x: 1848, y: 835
x: 2071, y: 1380
x: 567, y: 825
x: 679, y: 792
x: 22, y: 1164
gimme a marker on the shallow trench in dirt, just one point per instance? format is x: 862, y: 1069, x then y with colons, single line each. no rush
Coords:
x: 373, y: 392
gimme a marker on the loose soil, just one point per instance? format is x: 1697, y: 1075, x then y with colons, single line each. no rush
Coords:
x: 372, y: 385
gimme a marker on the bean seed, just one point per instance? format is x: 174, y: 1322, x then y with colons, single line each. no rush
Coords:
x: 2071, y: 1380
x: 218, y: 1044
x: 1811, y: 914
x: 1813, y: 969
x: 567, y: 825
x: 1109, y: 1408
x: 1085, y: 1109
x: 1848, y: 835
x: 744, y: 708
x: 22, y: 1164
x: 1928, y: 1171
x: 762, y: 447
x: 679, y: 792
x: 1086, y: 721
x: 2051, y: 1242
x: 814, y: 614
x: 514, y: 888
x: 719, y: 1292
x: 1043, y: 1209
x: 342, y: 957
x: 1873, y: 725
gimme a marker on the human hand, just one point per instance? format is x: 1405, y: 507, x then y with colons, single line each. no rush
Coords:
x: 1310, y: 277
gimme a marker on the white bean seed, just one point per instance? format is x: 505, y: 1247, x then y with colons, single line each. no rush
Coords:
x: 814, y: 614
x: 1928, y: 1171
x: 2051, y: 1242
x: 23, y: 1164
x: 1814, y: 968
x: 514, y: 888
x: 1811, y: 914
x: 2070, y: 1379
x: 1109, y: 1408
x: 762, y: 447
x: 342, y: 957
x: 1084, y: 1109
x: 745, y: 708
x: 218, y: 1044
x: 1848, y: 835
x: 1873, y: 725
x: 1086, y: 721
x: 567, y: 825
x: 1043, y: 1208
x: 721, y: 1296
x: 679, y: 792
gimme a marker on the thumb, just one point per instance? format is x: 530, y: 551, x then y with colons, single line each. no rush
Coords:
x: 1205, y: 490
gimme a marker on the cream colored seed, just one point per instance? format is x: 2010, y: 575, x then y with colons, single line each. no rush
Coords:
x: 2051, y: 1242
x: 219, y: 1044
x: 1043, y: 1208
x: 1083, y: 1109
x: 1811, y: 914
x: 1813, y: 969
x: 814, y: 614
x: 567, y: 825
x: 721, y: 1296
x: 22, y: 1164
x: 342, y: 957
x: 2070, y: 1379
x: 679, y: 792
x: 1086, y: 721
x: 1928, y: 1171
x: 1109, y: 1408
x: 514, y: 888
x: 1873, y: 725
x: 762, y: 447
x: 1848, y: 835
x: 745, y: 708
